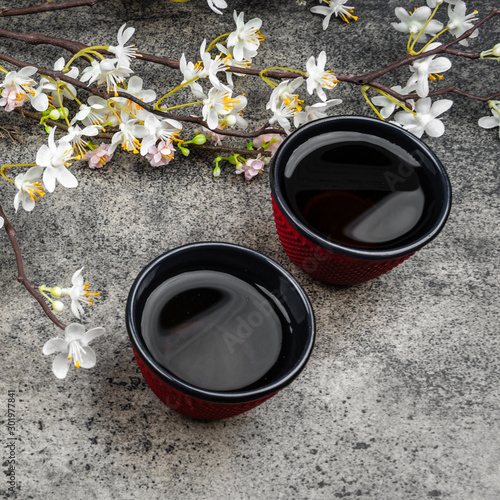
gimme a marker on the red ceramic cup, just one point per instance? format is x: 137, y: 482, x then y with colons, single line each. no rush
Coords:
x: 262, y: 273
x: 394, y: 164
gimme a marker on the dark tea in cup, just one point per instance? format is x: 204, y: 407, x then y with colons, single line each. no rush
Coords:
x: 353, y: 197
x: 218, y: 328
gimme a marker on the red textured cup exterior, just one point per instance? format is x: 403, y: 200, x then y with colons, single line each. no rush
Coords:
x: 254, y: 268
x: 191, y: 406
x: 324, y: 265
x: 333, y: 263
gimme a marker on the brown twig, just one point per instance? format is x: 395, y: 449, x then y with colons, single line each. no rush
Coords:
x: 47, y: 6
x: 21, y: 276
x: 13, y: 133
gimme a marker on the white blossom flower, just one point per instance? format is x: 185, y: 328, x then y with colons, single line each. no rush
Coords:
x: 318, y: 78
x: 55, y: 158
x: 336, y: 7
x: 245, y: 40
x: 93, y: 113
x: 282, y: 116
x: 491, y: 121
x: 122, y: 53
x: 212, y: 66
x: 134, y: 87
x: 74, y: 346
x: 29, y: 189
x: 314, y: 112
x: 67, y: 90
x: 284, y: 93
x: 79, y: 293
x: 215, y: 5
x: 109, y: 71
x: 388, y: 106
x: 39, y: 99
x: 17, y: 85
x: 414, y: 22
x: 157, y: 129
x: 128, y: 136
x: 229, y: 60
x: 425, y: 117
x: 75, y: 137
x: 459, y: 22
x: 426, y: 68
x: 92, y: 72
x: 2, y: 222
x: 219, y: 103
x: 235, y: 116
x: 189, y: 71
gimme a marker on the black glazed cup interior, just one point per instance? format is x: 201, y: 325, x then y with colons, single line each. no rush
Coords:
x: 433, y: 177
x: 252, y: 267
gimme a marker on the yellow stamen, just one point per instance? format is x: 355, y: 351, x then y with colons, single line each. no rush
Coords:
x: 36, y: 191
x: 435, y: 76
x: 77, y: 364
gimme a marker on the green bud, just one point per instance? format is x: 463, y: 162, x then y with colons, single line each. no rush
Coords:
x: 250, y: 145
x: 54, y: 114
x: 184, y: 151
x: 216, y: 171
x: 199, y: 139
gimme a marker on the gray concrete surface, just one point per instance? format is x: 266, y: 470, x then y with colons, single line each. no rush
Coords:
x: 400, y: 399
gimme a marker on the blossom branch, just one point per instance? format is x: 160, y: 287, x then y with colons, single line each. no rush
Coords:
x: 61, y: 126
x: 21, y: 278
x: 102, y: 135
x: 359, y: 80
x: 47, y: 6
x: 368, y: 78
x: 58, y: 75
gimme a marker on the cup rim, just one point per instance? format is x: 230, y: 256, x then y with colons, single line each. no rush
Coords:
x: 227, y: 397
x: 368, y: 254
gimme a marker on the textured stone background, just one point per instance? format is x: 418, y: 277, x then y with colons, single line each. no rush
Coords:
x: 400, y: 398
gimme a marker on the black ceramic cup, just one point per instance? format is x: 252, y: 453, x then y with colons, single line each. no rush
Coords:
x: 221, y: 330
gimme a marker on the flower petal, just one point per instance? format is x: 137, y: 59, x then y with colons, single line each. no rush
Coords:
x: 435, y: 128
x: 440, y: 107
x: 49, y: 179
x: 488, y: 122
x: 66, y: 178
x: 74, y: 331
x: 88, y: 357
x: 92, y: 334
x: 43, y: 156
x: 60, y: 365
x: 56, y: 344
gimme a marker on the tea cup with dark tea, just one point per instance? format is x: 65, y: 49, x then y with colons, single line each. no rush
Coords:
x: 218, y: 328
x: 353, y: 197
